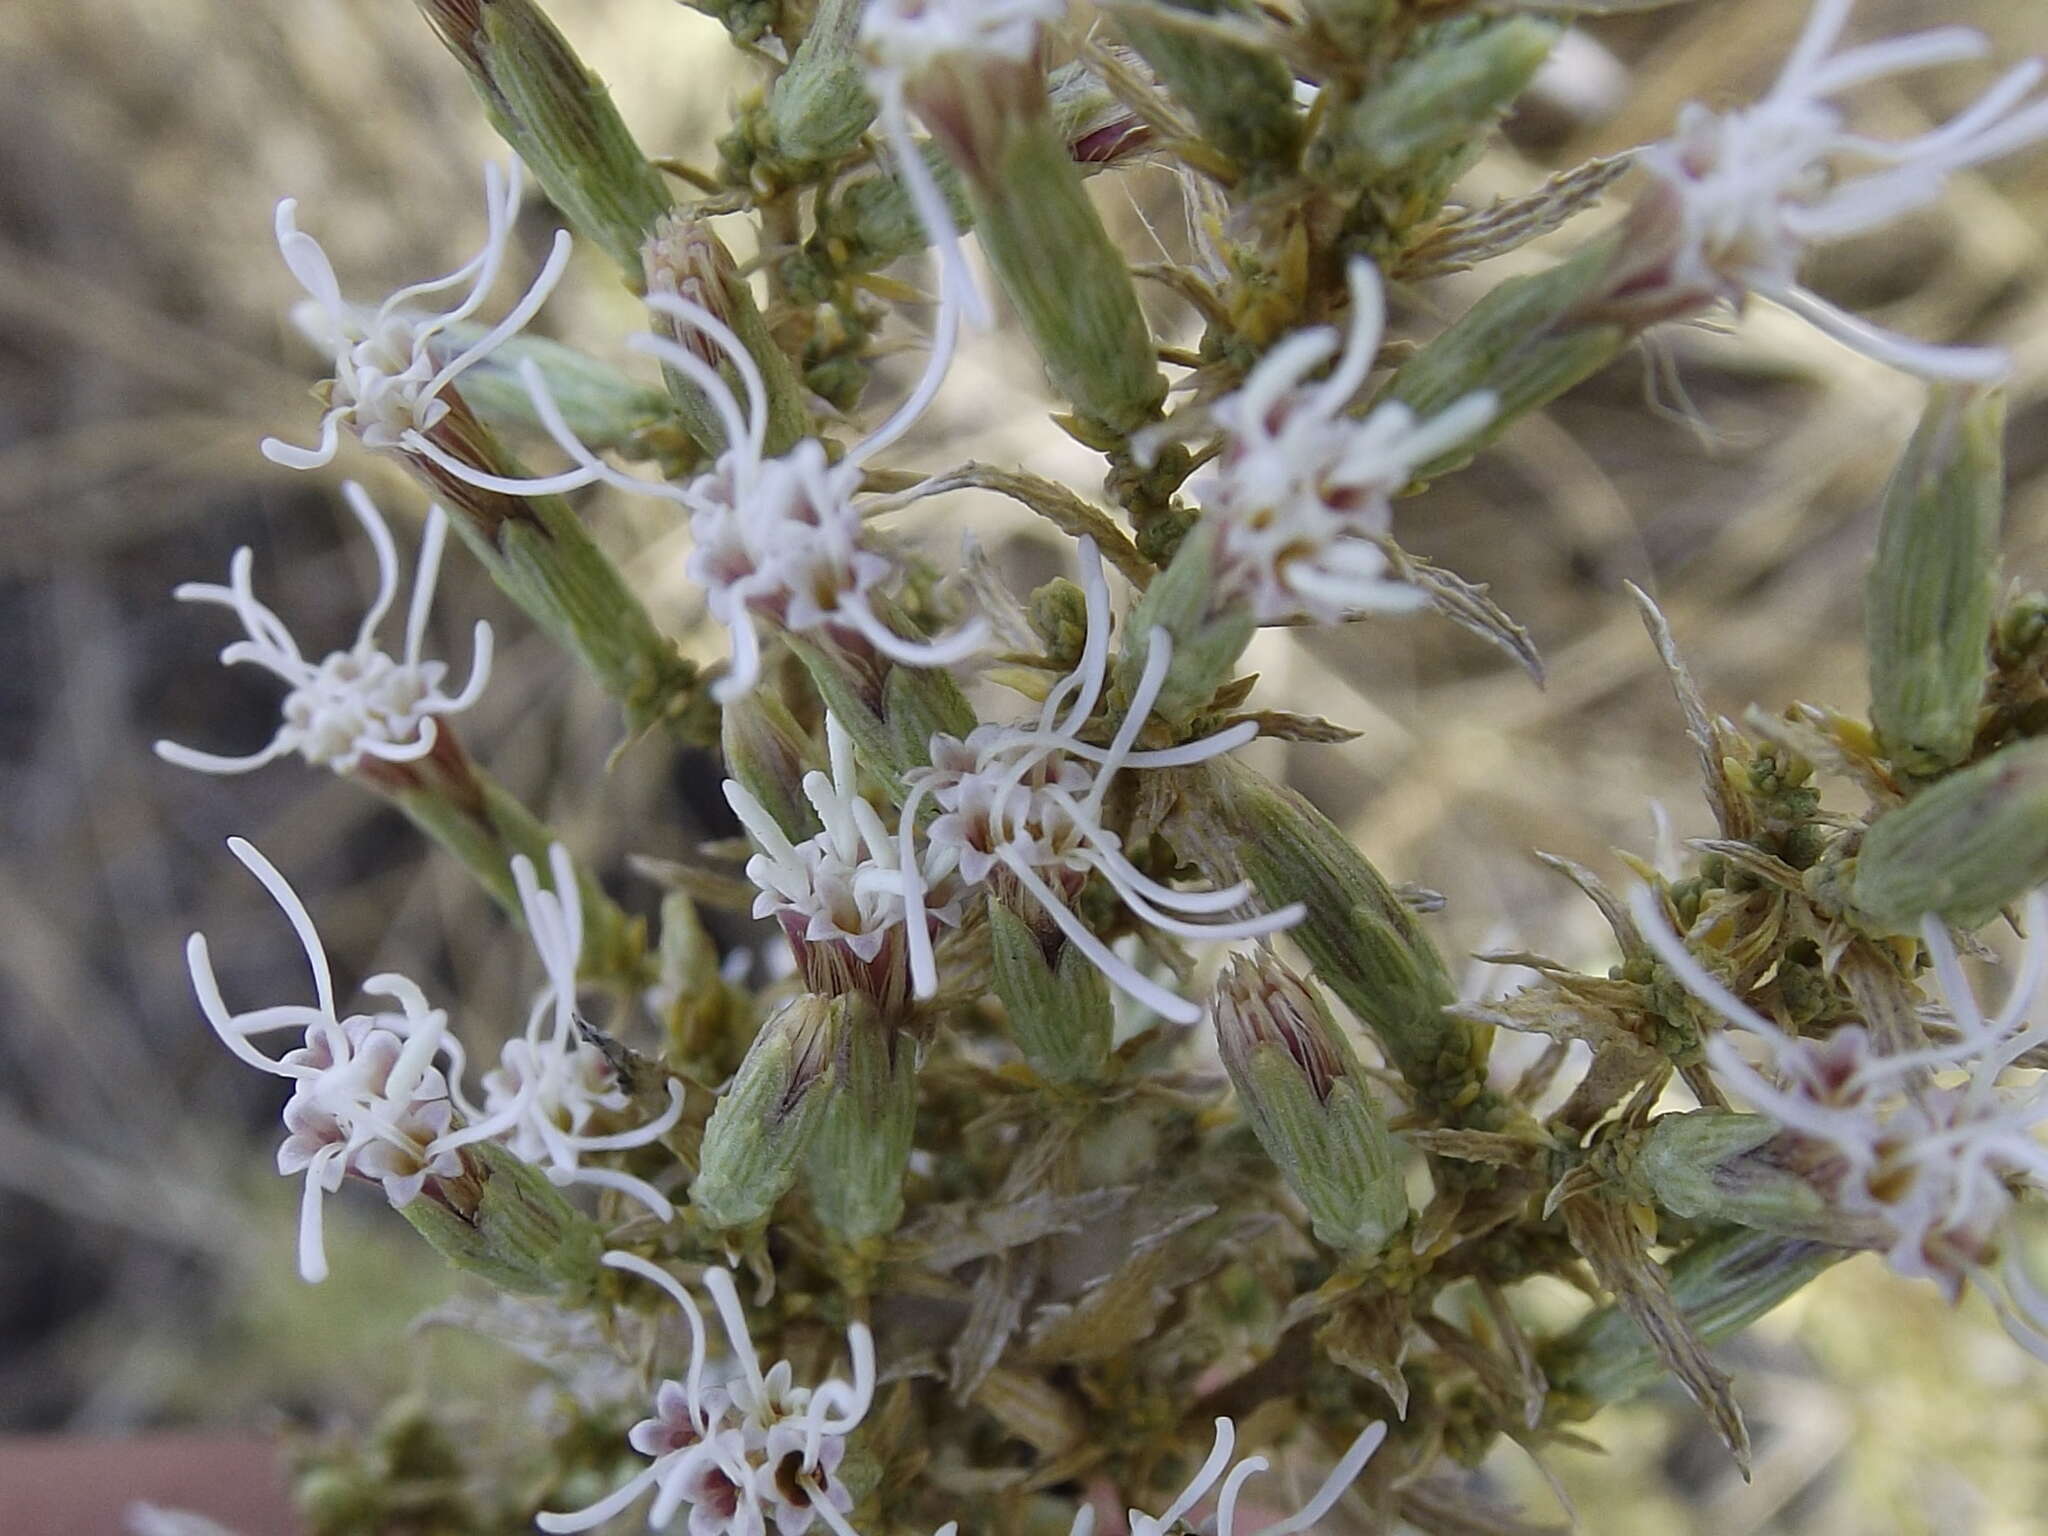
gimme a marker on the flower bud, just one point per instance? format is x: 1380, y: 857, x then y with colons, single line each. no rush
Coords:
x: 502, y: 1220
x: 757, y: 1136
x: 769, y: 754
x: 1069, y: 284
x: 1241, y: 99
x: 1360, y: 938
x: 1309, y: 1104
x: 1208, y: 638
x: 683, y: 258
x: 560, y: 119
x: 891, y: 712
x: 1059, y: 1008
x: 1718, y: 1166
x: 854, y: 1169
x: 1932, y: 590
x: 1525, y: 343
x: 701, y: 1016
x: 820, y: 105
x: 1445, y: 92
x: 1962, y: 849
x: 602, y: 407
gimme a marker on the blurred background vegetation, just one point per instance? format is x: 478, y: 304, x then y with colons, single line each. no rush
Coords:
x: 146, y: 1277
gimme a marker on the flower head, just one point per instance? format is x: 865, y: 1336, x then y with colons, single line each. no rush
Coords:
x: 1750, y: 190
x: 1302, y: 491
x: 551, y: 1083
x: 839, y: 894
x: 1233, y: 1476
x: 367, y: 1097
x: 1023, y: 804
x: 751, y: 1448
x: 352, y: 704
x: 1933, y: 1142
x: 387, y: 386
x: 777, y: 540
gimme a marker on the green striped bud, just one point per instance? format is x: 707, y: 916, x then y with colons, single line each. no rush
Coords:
x: 757, y: 1136
x: 820, y: 105
x: 560, y: 119
x: 603, y: 407
x: 1207, y: 640
x: 1069, y: 284
x: 1362, y: 941
x: 1526, y: 343
x: 1302, y: 1090
x: 1057, y: 1002
x: 854, y: 1169
x: 768, y: 753
x: 1717, y: 1166
x: 684, y: 259
x: 502, y: 1220
x: 1932, y: 591
x: 891, y: 712
x: 1241, y: 99
x: 1962, y: 849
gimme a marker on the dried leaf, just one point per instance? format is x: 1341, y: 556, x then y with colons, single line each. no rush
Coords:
x: 994, y: 1311
x: 1888, y: 1003
x: 1492, y: 1147
x: 1369, y: 1334
x: 1466, y: 604
x: 1611, y: 1242
x: 948, y: 1236
x: 1730, y: 814
x: 1049, y: 499
x: 1480, y: 233
x: 1284, y: 725
x: 1033, y: 1410
x: 1123, y: 1306
x: 1596, y: 891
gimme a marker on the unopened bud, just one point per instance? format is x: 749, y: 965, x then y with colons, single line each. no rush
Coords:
x: 1448, y: 89
x: 1058, y: 615
x: 502, y: 1220
x: 602, y: 407
x: 1059, y: 1008
x: 769, y: 754
x: 854, y: 1169
x: 1069, y: 284
x: 1240, y: 98
x: 1358, y: 935
x: 1932, y: 589
x: 560, y: 119
x: 758, y: 1134
x: 1719, y: 1166
x: 890, y: 712
x: 683, y: 258
x: 820, y: 105
x: 697, y: 1009
x: 1301, y: 1089
x: 1208, y: 637
x: 1962, y: 849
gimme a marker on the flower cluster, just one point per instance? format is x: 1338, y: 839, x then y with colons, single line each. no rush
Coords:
x: 1301, y: 492
x: 1751, y: 190
x: 1930, y: 1142
x: 750, y: 1450
x: 1023, y: 803
x: 352, y: 704
x: 386, y: 385
x: 367, y: 1096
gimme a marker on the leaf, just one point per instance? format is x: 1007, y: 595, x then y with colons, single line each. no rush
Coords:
x: 1729, y: 811
x: 1466, y: 604
x: 1369, y: 1335
x: 1049, y: 499
x: 1611, y: 1242
x: 947, y: 1236
x: 1284, y: 725
x: 1477, y: 234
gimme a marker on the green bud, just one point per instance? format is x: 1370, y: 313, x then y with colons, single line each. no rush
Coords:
x: 560, y: 119
x: 1206, y: 642
x: 1363, y: 942
x: 1932, y: 590
x: 820, y: 105
x: 700, y: 1014
x: 1301, y: 1088
x: 1525, y: 342
x: 603, y: 407
x: 1718, y: 1166
x: 1058, y: 615
x: 1438, y: 98
x: 1069, y: 284
x: 1241, y: 99
x: 854, y: 1169
x: 890, y: 712
x: 1059, y: 1008
x: 502, y: 1220
x: 1963, y: 849
x: 758, y: 1134
x: 768, y: 753
x: 685, y: 259
x: 1721, y: 1283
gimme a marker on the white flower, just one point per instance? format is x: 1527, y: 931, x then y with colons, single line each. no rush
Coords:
x: 357, y: 703
x: 1754, y: 188
x: 840, y: 891
x: 1301, y: 493
x: 1932, y: 1142
x: 906, y: 35
x: 750, y: 1449
x: 1224, y: 1521
x: 1024, y: 803
x: 776, y: 539
x: 367, y: 1098
x: 386, y: 384
x: 551, y: 1082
